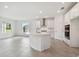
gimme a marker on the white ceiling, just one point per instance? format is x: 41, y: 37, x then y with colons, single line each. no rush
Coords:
x: 29, y: 10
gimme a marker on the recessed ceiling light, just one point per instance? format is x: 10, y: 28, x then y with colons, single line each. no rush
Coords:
x: 58, y: 11
x: 62, y: 2
x: 6, y: 6
x: 41, y: 12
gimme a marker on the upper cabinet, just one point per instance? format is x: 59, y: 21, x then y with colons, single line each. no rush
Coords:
x: 67, y: 18
x: 50, y: 23
x: 74, y: 12
x: 37, y: 24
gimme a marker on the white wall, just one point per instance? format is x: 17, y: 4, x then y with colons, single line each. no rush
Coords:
x: 18, y: 27
x: 6, y: 34
x: 59, y: 27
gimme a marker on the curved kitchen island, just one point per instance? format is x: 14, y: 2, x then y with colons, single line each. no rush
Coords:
x: 40, y: 41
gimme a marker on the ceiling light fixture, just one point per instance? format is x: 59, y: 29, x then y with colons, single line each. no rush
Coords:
x: 41, y: 12
x: 6, y: 6
x: 58, y: 11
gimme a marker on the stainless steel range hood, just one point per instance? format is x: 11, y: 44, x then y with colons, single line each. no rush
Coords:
x: 43, y: 26
x: 43, y: 22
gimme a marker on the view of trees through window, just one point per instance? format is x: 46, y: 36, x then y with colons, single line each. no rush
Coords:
x: 8, y: 27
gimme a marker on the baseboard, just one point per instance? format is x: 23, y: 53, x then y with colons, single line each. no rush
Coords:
x: 6, y: 37
x: 13, y: 36
x: 21, y: 35
x: 59, y: 39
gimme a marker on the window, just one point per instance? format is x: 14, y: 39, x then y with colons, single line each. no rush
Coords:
x: 25, y: 27
x: 6, y: 27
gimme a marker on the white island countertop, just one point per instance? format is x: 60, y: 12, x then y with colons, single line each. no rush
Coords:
x: 42, y: 33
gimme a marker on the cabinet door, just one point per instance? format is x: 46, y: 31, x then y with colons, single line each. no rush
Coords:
x: 74, y: 12
x: 50, y: 23
x: 67, y: 18
x: 37, y: 23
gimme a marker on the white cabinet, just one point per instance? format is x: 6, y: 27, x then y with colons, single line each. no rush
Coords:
x: 50, y: 23
x: 74, y: 31
x: 40, y: 42
x: 67, y: 18
x: 73, y: 13
x: 37, y: 23
x: 74, y: 28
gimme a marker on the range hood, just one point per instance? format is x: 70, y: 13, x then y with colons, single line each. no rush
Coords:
x: 43, y: 22
x: 43, y: 26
